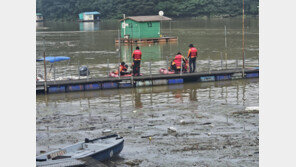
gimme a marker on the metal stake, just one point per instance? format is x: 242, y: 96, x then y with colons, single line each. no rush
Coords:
x: 119, y: 52
x: 45, y: 77
x: 225, y: 36
x: 78, y: 70
x: 209, y: 64
x: 54, y: 72
x: 87, y: 71
x: 44, y: 63
x: 181, y: 67
x: 167, y: 62
x: 236, y: 62
x: 150, y: 67
x: 221, y: 60
x: 119, y: 71
x: 226, y: 59
x: 243, y: 64
x: 108, y: 70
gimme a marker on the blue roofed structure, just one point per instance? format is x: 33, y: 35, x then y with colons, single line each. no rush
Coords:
x: 89, y: 16
x: 39, y: 17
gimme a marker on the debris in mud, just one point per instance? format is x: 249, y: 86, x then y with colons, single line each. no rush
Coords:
x: 147, y: 136
x: 92, y: 128
x: 182, y: 122
x: 106, y: 131
x: 42, y: 151
x: 246, y: 112
x: 172, y: 130
x: 192, y: 147
x: 87, y: 128
x: 133, y: 162
x: 207, y: 123
x: 254, y: 108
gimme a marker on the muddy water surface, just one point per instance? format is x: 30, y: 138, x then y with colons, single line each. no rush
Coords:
x: 210, y: 130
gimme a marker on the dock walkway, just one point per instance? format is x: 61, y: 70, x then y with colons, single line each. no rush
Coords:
x: 146, y: 80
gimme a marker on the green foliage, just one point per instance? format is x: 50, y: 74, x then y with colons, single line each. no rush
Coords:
x: 69, y: 10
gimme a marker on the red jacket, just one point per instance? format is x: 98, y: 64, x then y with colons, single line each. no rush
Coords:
x: 192, y: 52
x: 137, y: 54
x: 178, y: 60
x: 122, y: 68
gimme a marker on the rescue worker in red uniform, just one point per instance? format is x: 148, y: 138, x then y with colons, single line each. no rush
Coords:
x: 176, y: 63
x: 123, y: 68
x: 192, y: 54
x: 137, y: 54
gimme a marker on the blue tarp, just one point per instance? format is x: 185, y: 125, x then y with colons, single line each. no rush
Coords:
x: 54, y: 59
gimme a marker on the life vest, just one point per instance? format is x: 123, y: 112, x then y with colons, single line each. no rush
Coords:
x: 192, y: 52
x: 137, y: 55
x: 122, y: 68
x: 178, y: 61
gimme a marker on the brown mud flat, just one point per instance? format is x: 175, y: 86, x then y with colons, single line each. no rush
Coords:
x: 189, y: 125
x: 199, y: 141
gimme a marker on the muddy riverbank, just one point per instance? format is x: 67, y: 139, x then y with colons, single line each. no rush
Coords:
x: 210, y: 130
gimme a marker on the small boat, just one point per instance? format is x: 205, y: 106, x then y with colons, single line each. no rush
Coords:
x: 100, y: 149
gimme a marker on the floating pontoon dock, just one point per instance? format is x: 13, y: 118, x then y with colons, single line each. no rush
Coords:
x: 148, y: 40
x: 146, y: 80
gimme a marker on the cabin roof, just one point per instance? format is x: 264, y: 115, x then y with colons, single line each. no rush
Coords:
x: 147, y: 18
x: 90, y: 13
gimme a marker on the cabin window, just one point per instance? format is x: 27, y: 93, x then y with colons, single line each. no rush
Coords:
x: 149, y: 24
x: 131, y: 25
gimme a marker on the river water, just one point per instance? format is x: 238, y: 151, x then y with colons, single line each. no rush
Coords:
x: 209, y: 130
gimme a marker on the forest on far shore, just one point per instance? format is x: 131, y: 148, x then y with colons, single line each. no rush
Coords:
x: 113, y: 9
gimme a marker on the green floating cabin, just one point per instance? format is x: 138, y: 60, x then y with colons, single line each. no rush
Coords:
x: 39, y: 17
x: 140, y: 27
x: 89, y: 16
